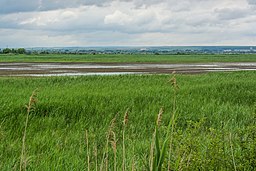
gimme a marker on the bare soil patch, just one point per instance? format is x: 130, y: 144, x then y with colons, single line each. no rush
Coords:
x: 57, y: 68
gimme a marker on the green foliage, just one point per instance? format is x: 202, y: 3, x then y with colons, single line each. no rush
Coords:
x: 14, y: 51
x: 142, y: 58
x: 215, y: 120
x: 7, y: 50
x: 21, y: 51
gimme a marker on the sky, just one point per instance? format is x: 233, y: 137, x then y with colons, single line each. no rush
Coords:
x: 67, y: 23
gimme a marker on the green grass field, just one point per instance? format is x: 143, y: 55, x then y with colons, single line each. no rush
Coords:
x: 128, y: 58
x: 214, y: 126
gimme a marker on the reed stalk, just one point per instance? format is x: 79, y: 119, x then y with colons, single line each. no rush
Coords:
x: 30, y: 106
x: 125, y: 121
x: 96, y: 157
x: 87, y: 146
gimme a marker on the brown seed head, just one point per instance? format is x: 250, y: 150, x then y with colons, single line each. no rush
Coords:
x: 113, y: 141
x: 159, y: 117
x: 126, y: 117
x: 32, y: 101
x: 112, y: 124
x: 174, y: 82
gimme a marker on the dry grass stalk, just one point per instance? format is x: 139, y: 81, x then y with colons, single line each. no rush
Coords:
x: 113, y: 144
x: 30, y: 106
x: 95, y: 151
x: 171, y: 139
x: 105, y: 154
x: 188, y: 160
x: 151, y: 156
x: 181, y: 161
x: 133, y: 164
x: 110, y: 139
x: 102, y: 162
x: 125, y: 121
x: 32, y: 101
x: 87, y: 146
x: 175, y: 86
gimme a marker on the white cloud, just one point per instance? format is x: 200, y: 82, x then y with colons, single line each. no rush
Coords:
x: 118, y: 18
x: 232, y: 13
x: 128, y: 22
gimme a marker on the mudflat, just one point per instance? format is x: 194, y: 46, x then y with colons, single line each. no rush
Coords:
x: 71, y: 69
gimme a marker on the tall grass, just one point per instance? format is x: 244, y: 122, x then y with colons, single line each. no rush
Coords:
x: 208, y: 109
x: 125, y: 122
x: 30, y: 106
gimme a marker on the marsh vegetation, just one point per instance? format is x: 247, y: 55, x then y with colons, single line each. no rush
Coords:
x: 77, y: 123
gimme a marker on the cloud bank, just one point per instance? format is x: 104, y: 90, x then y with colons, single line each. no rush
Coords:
x: 127, y: 22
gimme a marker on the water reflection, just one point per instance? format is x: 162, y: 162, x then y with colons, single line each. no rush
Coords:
x: 77, y: 69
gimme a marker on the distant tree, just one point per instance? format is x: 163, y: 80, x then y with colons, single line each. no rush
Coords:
x: 7, y: 50
x: 21, y: 51
x: 44, y: 52
x: 14, y: 51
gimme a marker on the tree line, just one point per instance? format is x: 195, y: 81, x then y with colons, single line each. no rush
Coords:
x: 14, y: 51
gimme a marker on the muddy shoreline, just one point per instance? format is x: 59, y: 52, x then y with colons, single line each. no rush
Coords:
x: 69, y: 69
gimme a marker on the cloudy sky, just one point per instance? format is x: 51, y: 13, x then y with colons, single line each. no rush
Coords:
x: 47, y: 23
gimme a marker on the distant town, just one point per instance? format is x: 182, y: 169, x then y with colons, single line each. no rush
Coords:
x: 156, y: 50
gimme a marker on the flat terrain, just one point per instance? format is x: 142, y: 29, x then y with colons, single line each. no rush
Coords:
x: 102, y: 64
x: 72, y: 69
x: 76, y: 123
x: 125, y: 58
x: 214, y: 121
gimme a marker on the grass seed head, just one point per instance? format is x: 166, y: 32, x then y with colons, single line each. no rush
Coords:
x: 112, y: 124
x: 126, y: 117
x: 113, y: 141
x: 32, y: 101
x: 159, y: 117
x: 173, y: 81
